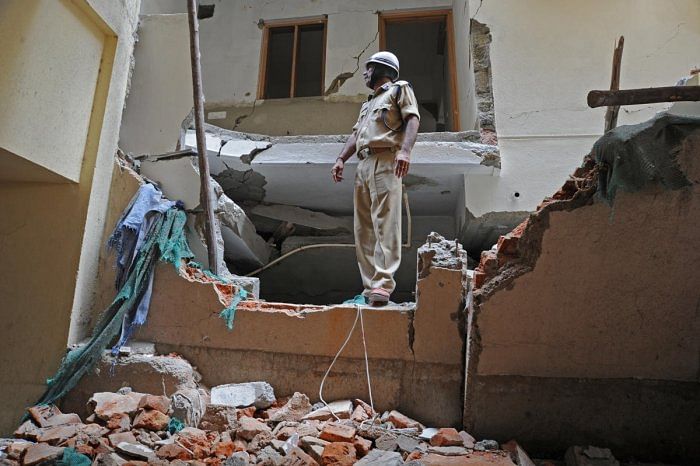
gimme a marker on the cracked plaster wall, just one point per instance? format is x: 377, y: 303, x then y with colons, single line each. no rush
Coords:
x: 231, y: 42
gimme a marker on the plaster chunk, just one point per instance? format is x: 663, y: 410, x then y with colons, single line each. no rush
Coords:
x: 239, y: 395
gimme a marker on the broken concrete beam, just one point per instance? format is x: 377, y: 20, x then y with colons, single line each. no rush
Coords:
x: 316, y: 221
x: 236, y: 235
x: 239, y: 395
x: 227, y: 152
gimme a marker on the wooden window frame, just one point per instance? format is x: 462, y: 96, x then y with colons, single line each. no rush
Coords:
x: 296, y: 23
x: 403, y: 16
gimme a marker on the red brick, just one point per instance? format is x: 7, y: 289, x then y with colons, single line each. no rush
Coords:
x: 159, y: 403
x: 151, y: 419
x: 116, y: 439
x: 225, y: 448
x: 337, y: 433
x: 173, y: 452
x: 520, y: 229
x: 362, y: 446
x: 448, y: 437
x: 402, y: 421
x: 246, y: 412
x: 85, y: 450
x: 40, y: 453
x: 119, y: 422
x: 479, y: 279
x: 507, y: 245
x: 339, y: 454
x: 297, y: 457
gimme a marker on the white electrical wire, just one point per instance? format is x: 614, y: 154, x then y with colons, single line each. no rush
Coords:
x: 373, y: 420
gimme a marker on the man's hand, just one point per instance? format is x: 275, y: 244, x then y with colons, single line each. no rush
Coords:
x: 402, y: 162
x: 337, y: 170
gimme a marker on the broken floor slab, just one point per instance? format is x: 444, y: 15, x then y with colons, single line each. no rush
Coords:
x: 287, y: 165
x: 303, y: 219
x: 179, y: 180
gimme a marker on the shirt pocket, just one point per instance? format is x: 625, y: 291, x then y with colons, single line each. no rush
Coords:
x: 388, y: 117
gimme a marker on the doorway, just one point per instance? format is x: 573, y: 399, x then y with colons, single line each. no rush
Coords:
x: 423, y: 42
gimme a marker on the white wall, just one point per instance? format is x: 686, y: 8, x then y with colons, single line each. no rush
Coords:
x: 160, y: 95
x: 465, y: 73
x: 231, y: 41
x: 546, y: 55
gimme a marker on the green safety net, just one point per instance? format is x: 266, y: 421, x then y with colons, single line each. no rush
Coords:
x: 165, y: 241
x: 631, y: 157
x: 73, y: 458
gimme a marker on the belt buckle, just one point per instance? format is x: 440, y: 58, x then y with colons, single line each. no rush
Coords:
x: 364, y: 153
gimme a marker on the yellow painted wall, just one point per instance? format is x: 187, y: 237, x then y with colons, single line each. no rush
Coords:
x: 73, y: 58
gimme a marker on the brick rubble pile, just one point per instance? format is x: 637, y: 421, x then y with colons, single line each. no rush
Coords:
x: 238, y: 424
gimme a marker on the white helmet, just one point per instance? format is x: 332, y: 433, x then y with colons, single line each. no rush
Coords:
x: 385, y: 58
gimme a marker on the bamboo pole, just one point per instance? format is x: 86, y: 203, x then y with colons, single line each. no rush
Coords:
x: 205, y: 192
x: 613, y: 110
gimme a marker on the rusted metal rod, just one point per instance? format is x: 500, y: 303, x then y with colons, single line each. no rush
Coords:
x: 205, y: 192
x: 648, y: 95
x: 611, y: 113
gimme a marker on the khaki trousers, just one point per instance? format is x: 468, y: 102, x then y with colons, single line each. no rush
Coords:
x: 378, y: 195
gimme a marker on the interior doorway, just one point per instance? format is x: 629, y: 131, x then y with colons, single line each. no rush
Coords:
x: 423, y: 42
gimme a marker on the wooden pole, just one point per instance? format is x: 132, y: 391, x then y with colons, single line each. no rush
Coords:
x: 205, y: 192
x: 613, y: 110
x: 650, y: 95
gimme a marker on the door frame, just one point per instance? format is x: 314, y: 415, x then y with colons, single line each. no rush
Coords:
x: 403, y: 16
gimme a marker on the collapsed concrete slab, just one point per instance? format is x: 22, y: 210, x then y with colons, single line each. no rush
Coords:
x: 241, y: 246
x: 286, y: 164
x: 585, y: 316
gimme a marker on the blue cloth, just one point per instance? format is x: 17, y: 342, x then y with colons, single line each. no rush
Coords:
x: 133, y: 225
x: 127, y: 239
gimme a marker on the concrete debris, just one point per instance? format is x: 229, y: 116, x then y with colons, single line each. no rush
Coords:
x: 137, y: 428
x: 239, y: 395
x: 590, y: 456
x: 484, y: 445
x: 340, y: 409
x: 135, y: 450
x: 381, y: 458
x: 295, y: 409
x: 447, y: 438
x: 268, y: 217
x: 41, y: 453
x: 106, y: 404
x: 517, y: 454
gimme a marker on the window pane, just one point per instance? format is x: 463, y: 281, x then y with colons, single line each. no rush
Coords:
x: 309, y: 67
x: 278, y: 76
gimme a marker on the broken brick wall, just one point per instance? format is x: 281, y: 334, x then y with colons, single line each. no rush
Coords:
x: 415, y: 354
x: 586, y: 328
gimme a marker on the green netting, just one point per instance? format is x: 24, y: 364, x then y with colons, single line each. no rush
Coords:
x: 229, y: 313
x: 634, y: 156
x: 175, y: 425
x: 165, y: 241
x: 73, y: 458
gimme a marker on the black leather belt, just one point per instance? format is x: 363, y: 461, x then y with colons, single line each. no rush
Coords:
x: 367, y: 151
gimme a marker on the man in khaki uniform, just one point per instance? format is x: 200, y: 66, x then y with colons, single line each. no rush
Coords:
x: 383, y: 138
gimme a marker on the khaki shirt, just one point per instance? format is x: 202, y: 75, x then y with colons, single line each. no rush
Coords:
x: 372, y: 130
